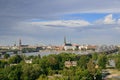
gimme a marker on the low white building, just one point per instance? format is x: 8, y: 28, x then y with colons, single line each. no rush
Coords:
x: 14, y: 47
x: 83, y: 47
x: 69, y: 46
x: 28, y: 61
x: 70, y: 63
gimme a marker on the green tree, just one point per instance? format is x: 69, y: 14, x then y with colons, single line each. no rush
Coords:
x: 31, y: 72
x: 93, y: 71
x: 102, y: 61
x: 0, y: 55
x: 6, y: 56
x: 91, y: 67
x: 117, y: 61
x: 3, y: 63
x: 15, y: 59
x: 4, y: 73
x: 95, y: 56
x: 15, y: 73
x: 83, y: 61
x: 42, y: 77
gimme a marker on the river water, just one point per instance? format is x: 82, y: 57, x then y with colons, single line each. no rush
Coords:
x: 47, y: 52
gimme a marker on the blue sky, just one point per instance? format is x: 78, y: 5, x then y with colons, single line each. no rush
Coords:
x: 47, y: 22
x: 85, y: 16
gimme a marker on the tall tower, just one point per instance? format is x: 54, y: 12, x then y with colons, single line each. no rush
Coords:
x: 64, y: 39
x: 20, y: 43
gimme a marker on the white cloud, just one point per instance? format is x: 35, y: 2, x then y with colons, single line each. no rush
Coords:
x: 109, y: 19
x: 118, y: 21
x: 106, y: 20
x: 65, y: 23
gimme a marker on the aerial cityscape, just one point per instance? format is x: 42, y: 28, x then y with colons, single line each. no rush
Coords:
x: 59, y: 40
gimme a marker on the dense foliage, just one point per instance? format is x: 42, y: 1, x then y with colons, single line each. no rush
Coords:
x: 52, y: 67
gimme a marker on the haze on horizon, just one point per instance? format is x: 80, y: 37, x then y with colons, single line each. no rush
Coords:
x: 48, y: 21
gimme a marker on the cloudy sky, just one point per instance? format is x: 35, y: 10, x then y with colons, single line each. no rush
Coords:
x: 48, y: 21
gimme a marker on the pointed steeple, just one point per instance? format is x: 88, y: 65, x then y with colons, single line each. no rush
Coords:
x: 64, y: 39
x: 20, y: 43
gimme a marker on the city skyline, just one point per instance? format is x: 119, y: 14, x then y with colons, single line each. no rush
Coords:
x: 82, y: 22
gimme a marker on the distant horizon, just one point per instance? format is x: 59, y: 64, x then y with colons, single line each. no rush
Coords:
x: 47, y: 22
x: 53, y: 44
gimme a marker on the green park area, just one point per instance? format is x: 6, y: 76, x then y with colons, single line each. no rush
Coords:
x: 63, y: 66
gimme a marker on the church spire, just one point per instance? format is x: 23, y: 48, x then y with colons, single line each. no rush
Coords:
x: 20, y: 43
x: 64, y: 39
